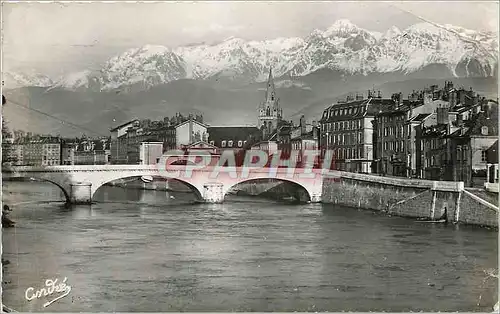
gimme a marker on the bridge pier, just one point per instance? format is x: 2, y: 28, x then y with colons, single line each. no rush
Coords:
x: 315, y: 197
x: 213, y: 192
x: 81, y: 193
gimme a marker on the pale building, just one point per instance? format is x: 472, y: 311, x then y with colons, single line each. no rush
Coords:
x: 119, y: 143
x: 189, y: 132
x: 150, y: 152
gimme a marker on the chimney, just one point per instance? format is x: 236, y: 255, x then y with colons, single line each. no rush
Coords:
x: 302, y: 125
x: 461, y: 97
x: 449, y: 85
x: 442, y: 115
x: 316, y: 132
x: 453, y: 98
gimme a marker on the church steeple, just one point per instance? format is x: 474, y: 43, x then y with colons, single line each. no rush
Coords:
x: 270, y: 112
x: 271, y: 90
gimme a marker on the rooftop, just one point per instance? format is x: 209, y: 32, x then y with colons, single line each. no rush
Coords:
x: 232, y: 133
x: 357, y: 109
x: 421, y: 117
x: 123, y: 124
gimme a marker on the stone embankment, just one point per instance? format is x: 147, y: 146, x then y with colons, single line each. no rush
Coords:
x: 423, y: 199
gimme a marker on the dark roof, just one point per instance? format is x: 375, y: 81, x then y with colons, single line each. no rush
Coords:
x: 232, y: 133
x: 98, y: 145
x: 421, y: 117
x: 285, y: 130
x: 435, y: 131
x: 403, y: 108
x: 485, y: 119
x: 39, y: 140
x: 399, y: 111
x: 379, y: 105
x: 492, y: 154
x: 357, y: 109
x: 123, y: 124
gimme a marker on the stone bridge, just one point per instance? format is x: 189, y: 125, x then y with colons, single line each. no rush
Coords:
x: 209, y: 183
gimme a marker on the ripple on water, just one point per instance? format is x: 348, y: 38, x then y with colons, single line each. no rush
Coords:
x: 243, y: 256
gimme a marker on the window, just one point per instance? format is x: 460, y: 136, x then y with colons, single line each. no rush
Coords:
x: 230, y: 144
x: 484, y: 130
x: 212, y: 143
x: 223, y: 144
x: 483, y: 156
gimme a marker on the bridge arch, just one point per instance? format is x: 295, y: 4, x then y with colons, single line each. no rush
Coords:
x: 96, y: 185
x: 266, y: 177
x: 65, y: 189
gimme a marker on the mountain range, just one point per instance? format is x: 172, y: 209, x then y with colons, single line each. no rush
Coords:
x: 224, y: 80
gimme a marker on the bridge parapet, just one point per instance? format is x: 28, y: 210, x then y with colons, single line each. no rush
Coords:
x: 445, y: 186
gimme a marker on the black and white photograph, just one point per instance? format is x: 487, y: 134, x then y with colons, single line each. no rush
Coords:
x: 249, y: 156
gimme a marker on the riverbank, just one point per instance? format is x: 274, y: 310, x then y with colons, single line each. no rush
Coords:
x: 421, y: 199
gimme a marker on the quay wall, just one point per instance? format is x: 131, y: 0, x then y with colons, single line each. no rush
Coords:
x: 433, y: 200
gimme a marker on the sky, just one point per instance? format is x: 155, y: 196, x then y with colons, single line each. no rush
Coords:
x: 60, y: 38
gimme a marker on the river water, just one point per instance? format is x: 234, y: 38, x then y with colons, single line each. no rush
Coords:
x: 146, y: 251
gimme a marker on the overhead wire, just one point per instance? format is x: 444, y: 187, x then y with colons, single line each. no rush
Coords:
x: 56, y: 118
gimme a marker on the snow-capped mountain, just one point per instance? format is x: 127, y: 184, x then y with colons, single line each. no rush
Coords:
x: 16, y: 79
x: 343, y: 47
x: 83, y: 79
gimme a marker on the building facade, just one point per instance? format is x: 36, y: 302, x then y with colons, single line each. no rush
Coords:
x: 173, y: 132
x: 119, y: 142
x: 43, y: 151
x: 150, y: 153
x: 189, y: 132
x: 347, y: 131
x: 86, y: 151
